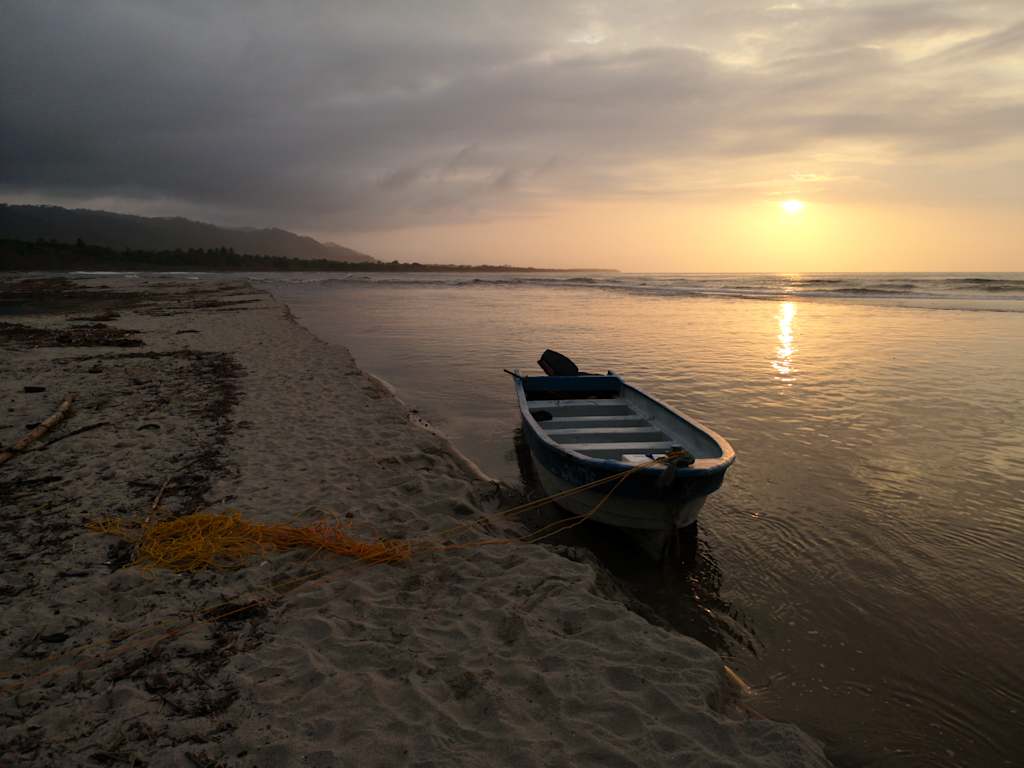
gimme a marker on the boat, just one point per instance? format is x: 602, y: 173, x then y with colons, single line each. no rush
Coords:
x: 581, y: 428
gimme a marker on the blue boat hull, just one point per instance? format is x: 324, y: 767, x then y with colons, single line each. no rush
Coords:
x: 652, y: 498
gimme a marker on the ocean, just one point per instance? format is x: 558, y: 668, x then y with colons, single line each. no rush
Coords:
x: 988, y: 292
x: 863, y: 564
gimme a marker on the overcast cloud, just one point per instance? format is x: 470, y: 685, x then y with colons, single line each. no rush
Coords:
x: 337, y: 117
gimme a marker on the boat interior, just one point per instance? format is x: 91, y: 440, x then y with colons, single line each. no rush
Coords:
x: 599, y: 417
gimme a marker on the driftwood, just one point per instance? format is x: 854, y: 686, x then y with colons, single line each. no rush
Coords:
x: 41, y: 429
x: 159, y: 497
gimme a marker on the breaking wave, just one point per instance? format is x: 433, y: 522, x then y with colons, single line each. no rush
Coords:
x: 984, y: 291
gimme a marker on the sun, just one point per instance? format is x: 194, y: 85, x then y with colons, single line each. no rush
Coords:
x: 792, y: 207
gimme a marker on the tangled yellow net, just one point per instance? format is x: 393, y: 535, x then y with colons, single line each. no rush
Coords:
x: 226, y: 540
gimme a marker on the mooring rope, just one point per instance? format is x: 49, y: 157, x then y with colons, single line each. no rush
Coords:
x: 191, y: 542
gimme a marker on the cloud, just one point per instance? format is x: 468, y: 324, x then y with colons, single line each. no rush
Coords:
x: 341, y: 116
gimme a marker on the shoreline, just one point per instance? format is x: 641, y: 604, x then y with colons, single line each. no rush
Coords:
x: 488, y: 655
x: 416, y: 420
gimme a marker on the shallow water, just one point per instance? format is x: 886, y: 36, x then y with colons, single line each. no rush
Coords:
x: 863, y: 564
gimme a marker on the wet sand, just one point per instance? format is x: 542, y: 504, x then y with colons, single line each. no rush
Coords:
x: 209, y: 396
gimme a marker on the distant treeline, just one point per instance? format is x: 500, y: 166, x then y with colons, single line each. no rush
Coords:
x: 49, y: 255
x: 122, y: 231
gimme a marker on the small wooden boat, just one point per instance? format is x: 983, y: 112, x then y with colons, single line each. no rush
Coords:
x: 583, y: 427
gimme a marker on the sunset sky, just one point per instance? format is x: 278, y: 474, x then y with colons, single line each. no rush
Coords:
x: 641, y: 136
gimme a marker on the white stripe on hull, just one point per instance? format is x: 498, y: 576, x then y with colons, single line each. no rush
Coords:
x: 621, y: 511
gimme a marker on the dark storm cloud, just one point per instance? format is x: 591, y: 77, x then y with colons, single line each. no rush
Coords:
x: 352, y: 115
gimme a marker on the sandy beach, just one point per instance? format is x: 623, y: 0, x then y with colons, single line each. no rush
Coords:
x: 208, y: 395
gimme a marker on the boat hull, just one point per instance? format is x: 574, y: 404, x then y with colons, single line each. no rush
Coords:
x: 648, y: 514
x: 583, y: 430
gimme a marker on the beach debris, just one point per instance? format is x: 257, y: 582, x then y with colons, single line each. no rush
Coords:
x: 40, y: 429
x: 226, y: 540
x: 91, y: 335
x: 163, y: 488
x: 737, y: 682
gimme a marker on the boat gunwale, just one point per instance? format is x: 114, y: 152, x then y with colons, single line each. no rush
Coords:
x: 700, y: 467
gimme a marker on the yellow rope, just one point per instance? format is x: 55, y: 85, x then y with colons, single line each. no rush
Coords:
x: 222, y: 541
x: 555, y: 497
x: 226, y: 540
x: 204, y: 540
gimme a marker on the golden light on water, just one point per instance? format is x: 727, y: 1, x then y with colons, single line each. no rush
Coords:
x: 792, y: 206
x: 782, y: 363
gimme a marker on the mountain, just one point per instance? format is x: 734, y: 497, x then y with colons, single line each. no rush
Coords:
x: 118, y: 230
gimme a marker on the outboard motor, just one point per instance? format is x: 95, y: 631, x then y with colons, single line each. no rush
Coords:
x: 555, y: 364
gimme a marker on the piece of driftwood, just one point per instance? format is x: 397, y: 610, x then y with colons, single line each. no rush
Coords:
x: 41, y: 429
x: 159, y: 496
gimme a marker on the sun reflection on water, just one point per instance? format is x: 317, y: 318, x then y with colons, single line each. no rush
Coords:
x: 783, y: 362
